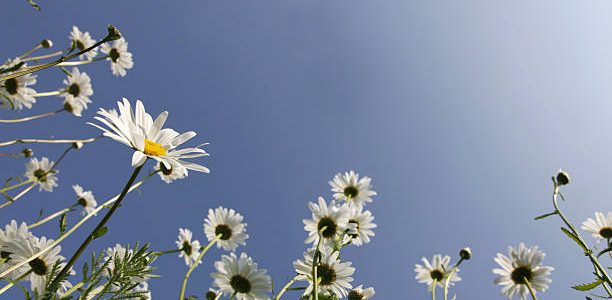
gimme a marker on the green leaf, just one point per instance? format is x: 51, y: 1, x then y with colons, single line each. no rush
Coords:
x: 63, y: 224
x: 588, y: 286
x: 100, y: 232
x: 545, y: 216
x: 575, y: 238
x: 34, y: 5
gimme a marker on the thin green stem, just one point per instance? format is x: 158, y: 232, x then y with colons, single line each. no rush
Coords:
x: 12, y: 283
x: 33, y: 117
x: 433, y: 289
x: 315, y: 264
x: 160, y: 253
x: 72, y: 289
x: 18, y: 185
x: 46, y: 94
x: 38, y: 46
x: 82, y: 62
x: 13, y: 199
x: 49, y: 218
x: 194, y: 265
x: 43, y: 56
x: 531, y: 290
x: 233, y: 296
x: 450, y: 275
x: 284, y: 289
x: 42, y: 141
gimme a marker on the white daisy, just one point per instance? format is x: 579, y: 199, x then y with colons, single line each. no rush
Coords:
x: 136, y: 129
x: 77, y: 92
x: 227, y: 223
x: 12, y: 234
x: 362, y: 221
x: 82, y: 41
x: 439, y: 269
x: 175, y: 172
x: 600, y: 227
x: 40, y: 172
x: 85, y: 199
x: 191, y: 249
x: 240, y: 276
x: 523, y: 265
x: 334, y: 276
x: 119, y: 56
x: 333, y: 218
x: 359, y: 293
x: 349, y: 186
x: 16, y: 93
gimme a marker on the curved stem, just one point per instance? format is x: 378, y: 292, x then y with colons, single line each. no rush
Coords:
x: 13, y: 199
x: 531, y: 290
x: 447, y: 281
x: 23, y: 141
x: 49, y: 218
x: 32, y: 117
x: 12, y: 283
x: 433, y: 289
x: 12, y: 187
x: 43, y: 56
x: 195, y: 264
x: 284, y: 289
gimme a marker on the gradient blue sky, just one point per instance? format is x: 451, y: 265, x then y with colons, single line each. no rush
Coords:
x: 460, y: 111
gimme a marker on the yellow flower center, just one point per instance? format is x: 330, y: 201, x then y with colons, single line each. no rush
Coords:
x: 154, y: 149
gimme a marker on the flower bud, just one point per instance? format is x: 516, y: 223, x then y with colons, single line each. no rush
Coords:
x: 465, y: 253
x: 46, y: 43
x: 113, y: 33
x: 77, y: 145
x: 210, y: 295
x: 27, y: 152
x: 562, y: 178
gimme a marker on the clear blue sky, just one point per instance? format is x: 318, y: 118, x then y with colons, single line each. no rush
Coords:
x: 460, y: 111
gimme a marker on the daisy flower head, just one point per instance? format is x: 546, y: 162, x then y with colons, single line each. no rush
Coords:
x: 119, y: 57
x: 190, y: 249
x: 85, y: 199
x: 11, y: 235
x: 363, y: 225
x: 439, y: 270
x: 168, y: 175
x: 521, y: 267
x: 228, y: 224
x: 334, y: 276
x: 241, y: 277
x: 349, y: 187
x: 77, y: 92
x: 16, y: 93
x: 359, y: 293
x: 41, y: 172
x: 600, y: 227
x: 81, y: 41
x: 137, y: 129
x: 328, y: 221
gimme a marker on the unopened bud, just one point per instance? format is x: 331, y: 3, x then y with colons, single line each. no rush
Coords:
x: 77, y: 145
x: 465, y: 253
x: 563, y: 178
x: 46, y: 43
x: 210, y: 295
x: 27, y: 152
x: 113, y: 33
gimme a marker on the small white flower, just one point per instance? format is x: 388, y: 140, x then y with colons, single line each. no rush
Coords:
x: 362, y: 220
x: 439, y: 269
x: 349, y: 187
x: 523, y: 265
x: 40, y: 172
x: 16, y: 93
x: 175, y: 172
x: 85, y: 199
x: 136, y: 129
x: 334, y: 276
x: 191, y: 249
x: 118, y: 56
x: 240, y: 276
x: 359, y: 293
x: 600, y: 227
x: 333, y: 218
x: 77, y: 92
x: 227, y: 223
x: 12, y: 234
x: 82, y: 41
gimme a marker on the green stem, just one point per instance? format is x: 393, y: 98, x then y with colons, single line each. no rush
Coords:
x: 531, y: 290
x: 284, y: 289
x: 43, y: 56
x: 51, y: 93
x: 447, y: 281
x: 195, y: 264
x: 32, y: 117
x: 49, y: 218
x: 12, y: 283
x: 24, y: 141
x: 315, y: 264
x: 160, y: 253
x: 72, y: 290
x: 433, y: 289
x: 18, y: 185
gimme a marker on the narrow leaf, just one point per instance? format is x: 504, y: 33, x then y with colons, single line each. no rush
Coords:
x: 100, y: 232
x: 588, y: 286
x: 575, y: 238
x: 545, y: 216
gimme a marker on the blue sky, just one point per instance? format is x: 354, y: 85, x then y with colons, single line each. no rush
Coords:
x: 459, y: 111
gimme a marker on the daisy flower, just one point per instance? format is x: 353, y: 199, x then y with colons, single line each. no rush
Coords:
x: 85, y: 199
x: 15, y: 93
x: 362, y: 221
x: 600, y: 227
x: 333, y: 218
x: 349, y: 187
x: 136, y: 129
x: 82, y: 41
x: 359, y: 293
x: 228, y: 223
x: 334, y: 276
x: 439, y: 269
x: 240, y: 276
x: 77, y: 92
x: 522, y: 266
x: 118, y: 56
x: 168, y: 175
x: 40, y: 172
x: 191, y: 249
x: 12, y: 234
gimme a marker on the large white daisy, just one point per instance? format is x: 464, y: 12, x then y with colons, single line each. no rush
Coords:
x: 334, y: 275
x: 523, y: 265
x: 240, y: 276
x: 190, y: 249
x: 119, y: 57
x: 362, y: 221
x: 82, y: 41
x: 77, y: 92
x: 227, y: 223
x: 136, y: 129
x: 349, y: 187
x: 331, y: 217
x: 40, y: 172
x: 85, y: 199
x: 600, y: 227
x: 16, y: 93
x: 12, y: 234
x: 439, y: 269
x: 359, y: 293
